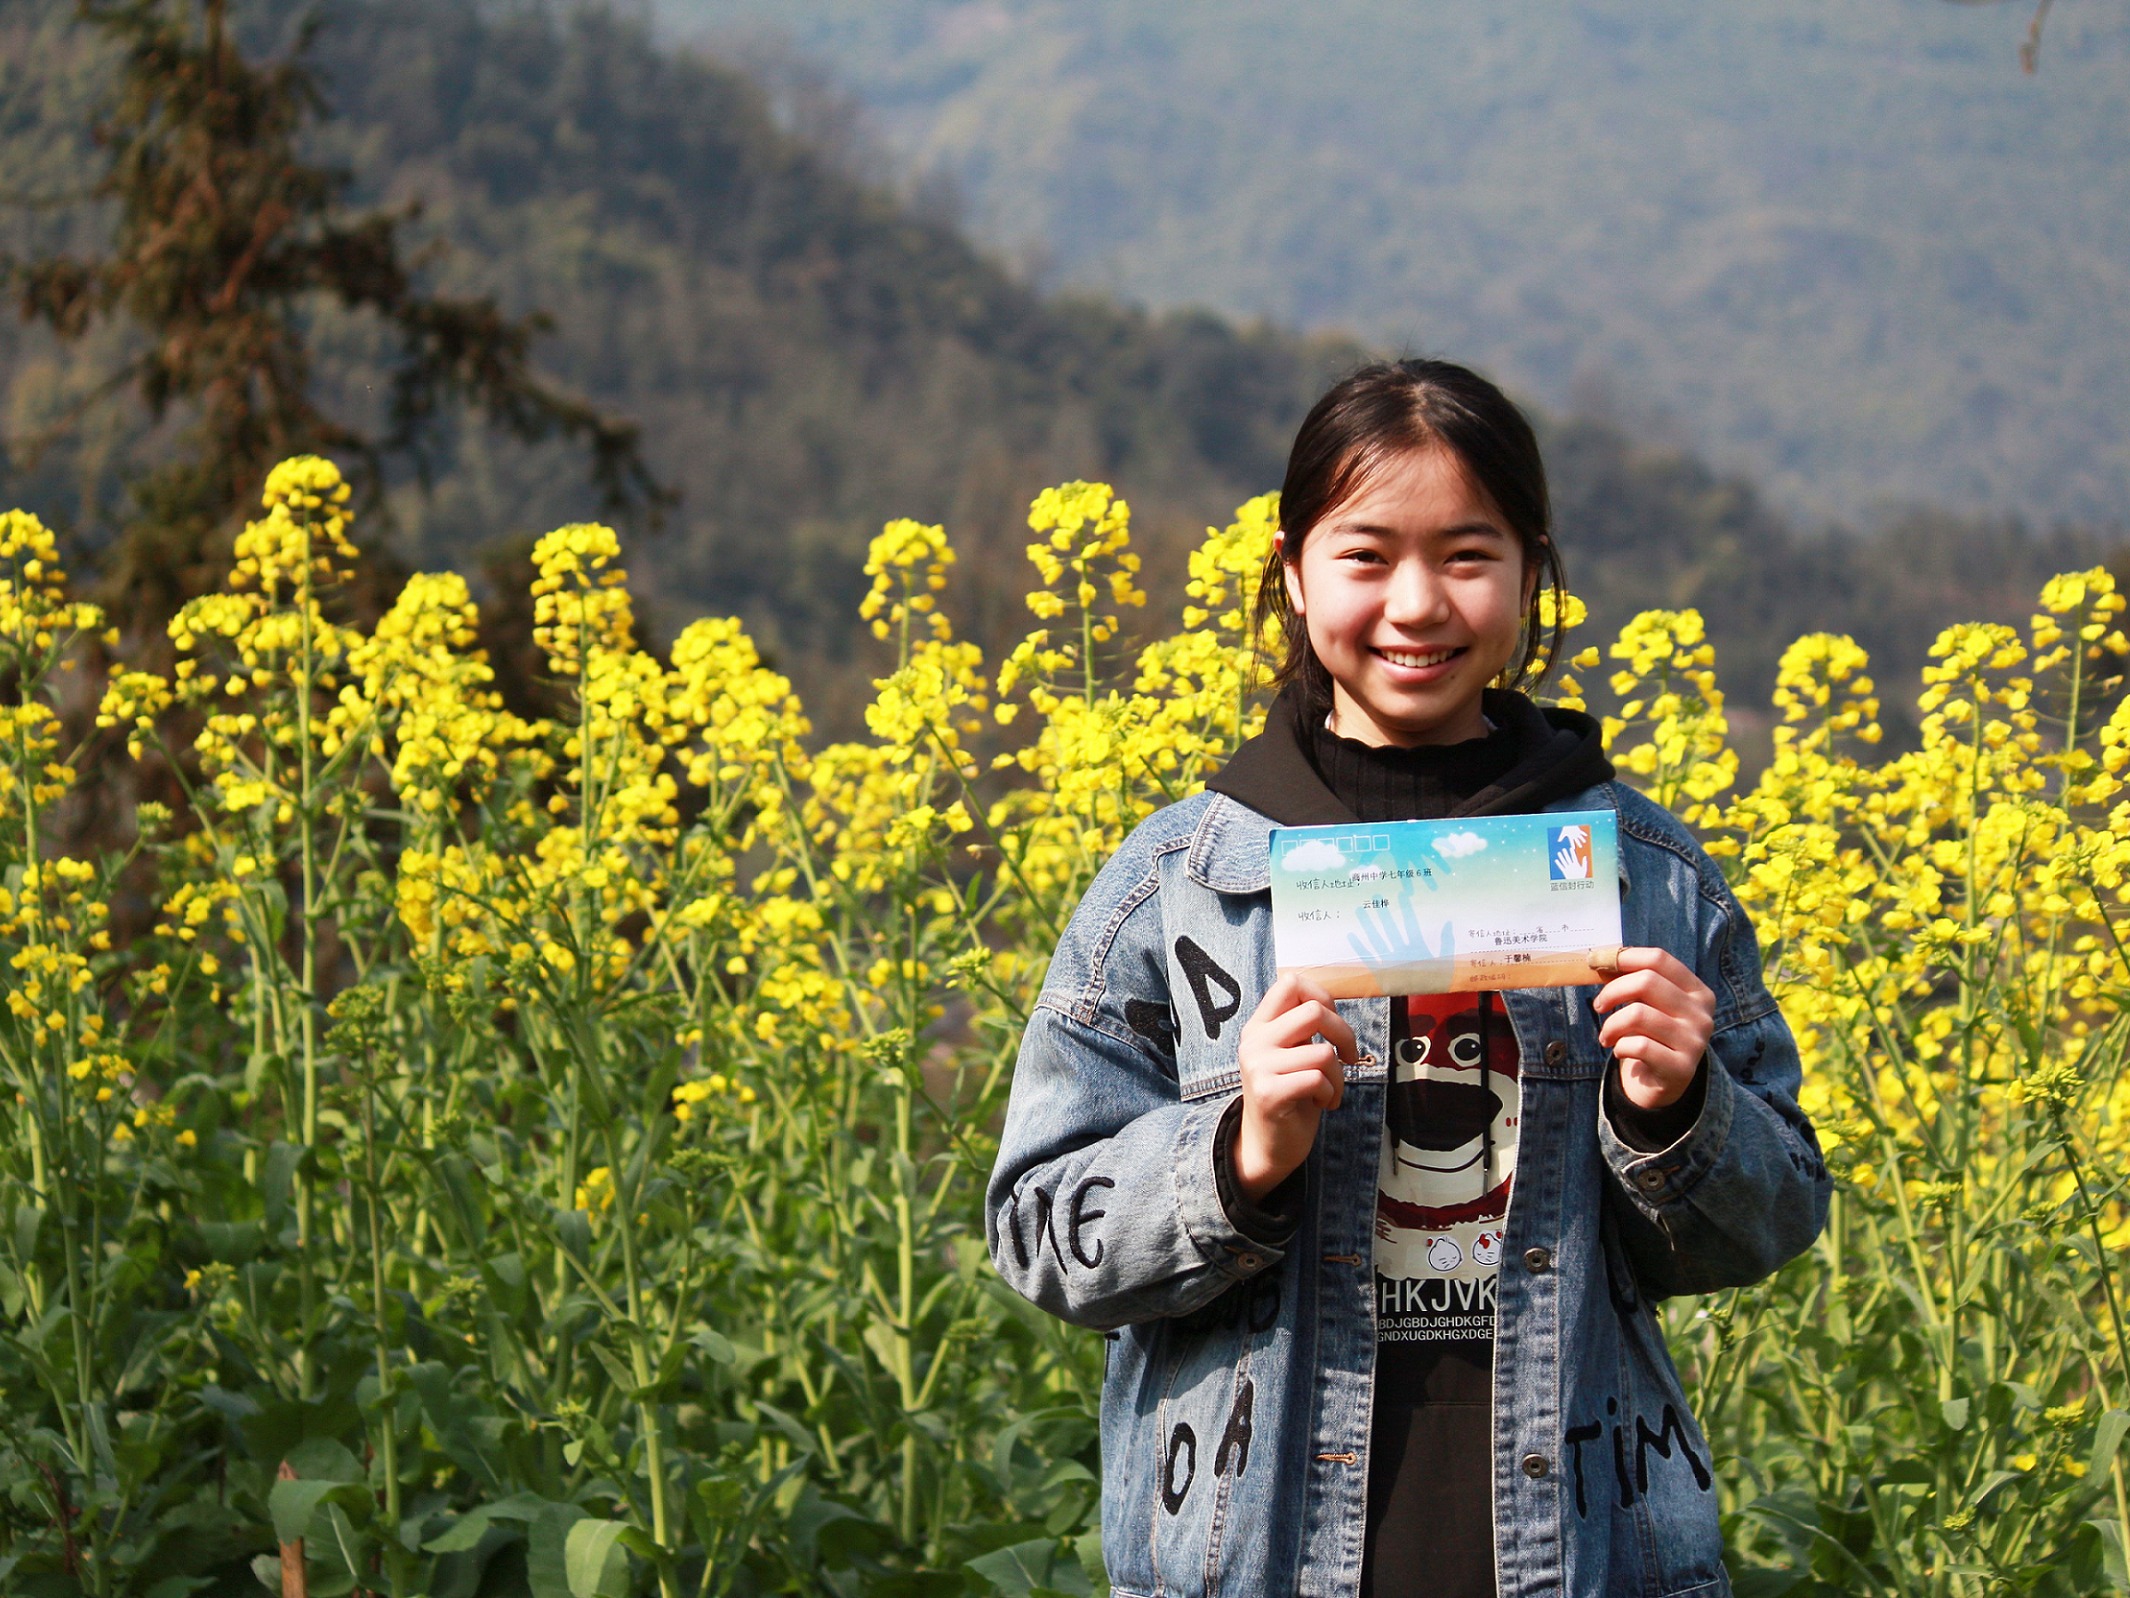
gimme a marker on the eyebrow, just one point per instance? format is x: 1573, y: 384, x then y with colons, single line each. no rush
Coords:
x: 1460, y: 530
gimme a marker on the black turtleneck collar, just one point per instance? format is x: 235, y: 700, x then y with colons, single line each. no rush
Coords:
x: 1385, y: 783
x: 1300, y: 774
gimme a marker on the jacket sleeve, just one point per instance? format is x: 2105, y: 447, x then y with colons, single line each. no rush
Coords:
x: 1743, y: 1190
x: 1104, y: 1207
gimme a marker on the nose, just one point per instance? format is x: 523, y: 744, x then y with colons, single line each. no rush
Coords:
x: 1439, y: 1116
x: 1416, y: 596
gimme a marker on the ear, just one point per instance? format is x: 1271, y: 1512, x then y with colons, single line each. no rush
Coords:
x: 1290, y: 573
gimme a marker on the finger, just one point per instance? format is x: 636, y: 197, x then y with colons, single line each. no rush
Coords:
x: 1309, y: 988
x: 1636, y: 983
x: 1649, y: 957
x: 1278, y: 998
x: 1655, y: 1062
x: 1313, y: 1018
x: 1641, y: 957
x: 1316, y: 1084
x: 1645, y: 1020
x: 1321, y: 1057
x: 1311, y: 1071
x: 1656, y: 988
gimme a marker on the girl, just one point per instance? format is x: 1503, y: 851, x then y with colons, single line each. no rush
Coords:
x: 1341, y: 1359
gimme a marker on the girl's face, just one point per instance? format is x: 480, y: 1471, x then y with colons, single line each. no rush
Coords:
x: 1413, y: 590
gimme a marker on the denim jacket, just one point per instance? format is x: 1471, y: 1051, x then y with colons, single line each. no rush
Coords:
x: 1237, y: 1400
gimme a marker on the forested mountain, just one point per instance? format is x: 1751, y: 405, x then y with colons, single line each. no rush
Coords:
x: 1850, y: 248
x: 808, y: 355
x: 812, y: 350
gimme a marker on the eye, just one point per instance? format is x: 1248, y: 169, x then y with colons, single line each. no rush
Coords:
x: 1469, y: 554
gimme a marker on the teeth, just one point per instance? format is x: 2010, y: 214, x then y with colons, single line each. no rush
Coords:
x: 1413, y: 658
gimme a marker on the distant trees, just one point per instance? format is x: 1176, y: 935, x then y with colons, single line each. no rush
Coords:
x: 226, y: 239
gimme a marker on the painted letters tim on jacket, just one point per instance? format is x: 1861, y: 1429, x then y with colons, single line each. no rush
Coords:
x: 1236, y: 1410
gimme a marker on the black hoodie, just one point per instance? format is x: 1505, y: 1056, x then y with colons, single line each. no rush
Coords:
x: 1541, y: 755
x: 1430, y: 1516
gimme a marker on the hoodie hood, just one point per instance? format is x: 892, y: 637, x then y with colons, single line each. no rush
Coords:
x: 1559, y: 752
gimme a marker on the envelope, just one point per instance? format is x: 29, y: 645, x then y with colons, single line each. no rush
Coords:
x: 1456, y: 906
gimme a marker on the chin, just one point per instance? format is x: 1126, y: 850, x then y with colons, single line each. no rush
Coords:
x: 1422, y: 722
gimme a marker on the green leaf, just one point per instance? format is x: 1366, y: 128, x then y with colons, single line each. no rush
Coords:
x: 467, y: 1531
x: 2107, y: 1437
x: 2114, y: 1559
x: 1954, y: 1410
x: 618, y: 1371
x: 322, y: 1459
x: 519, y: 1506
x: 881, y: 1338
x: 715, y: 1345
x: 292, y: 1503
x: 1026, y: 1568
x: 261, y: 1068
x: 547, y: 1548
x: 594, y: 1561
x: 464, y: 1533
x: 280, y: 1175
x: 573, y: 1230
x: 28, y: 1218
x: 1089, y: 1547
x: 1770, y: 1583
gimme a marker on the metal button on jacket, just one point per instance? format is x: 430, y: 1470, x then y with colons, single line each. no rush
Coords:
x: 1652, y: 1179
x: 1536, y: 1465
x: 1537, y: 1259
x: 1556, y: 1051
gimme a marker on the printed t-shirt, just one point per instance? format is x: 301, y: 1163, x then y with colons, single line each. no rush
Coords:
x: 1451, y: 1108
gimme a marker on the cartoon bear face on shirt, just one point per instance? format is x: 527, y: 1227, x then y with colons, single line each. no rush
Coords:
x: 1451, y: 1109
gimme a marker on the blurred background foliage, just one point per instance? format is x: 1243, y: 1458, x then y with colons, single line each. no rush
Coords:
x: 812, y: 344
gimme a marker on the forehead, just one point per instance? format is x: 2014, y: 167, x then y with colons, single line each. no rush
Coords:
x: 1414, y: 491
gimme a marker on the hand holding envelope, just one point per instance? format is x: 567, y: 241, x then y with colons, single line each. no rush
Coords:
x: 1449, y: 907
x: 1659, y: 1017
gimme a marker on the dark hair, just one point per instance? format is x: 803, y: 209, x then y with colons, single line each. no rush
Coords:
x: 1387, y: 409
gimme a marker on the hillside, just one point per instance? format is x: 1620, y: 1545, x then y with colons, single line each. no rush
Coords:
x: 813, y: 351
x: 808, y: 355
x: 1848, y: 249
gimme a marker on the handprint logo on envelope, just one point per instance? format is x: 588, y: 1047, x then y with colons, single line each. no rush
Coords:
x: 1568, y: 853
x: 1390, y: 936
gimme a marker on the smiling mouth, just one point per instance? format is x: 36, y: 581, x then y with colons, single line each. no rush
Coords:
x: 1450, y: 1162
x: 1419, y: 659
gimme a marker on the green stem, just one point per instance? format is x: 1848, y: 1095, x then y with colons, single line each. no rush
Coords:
x: 385, y: 1406
x: 2100, y: 1246
x: 906, y: 1259
x: 641, y: 1368
x: 307, y: 933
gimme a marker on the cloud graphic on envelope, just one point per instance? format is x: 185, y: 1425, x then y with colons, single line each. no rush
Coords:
x: 1456, y: 845
x: 1315, y: 855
